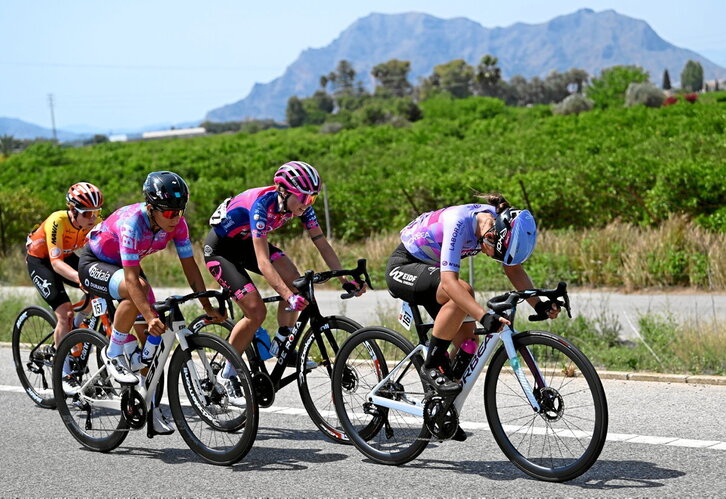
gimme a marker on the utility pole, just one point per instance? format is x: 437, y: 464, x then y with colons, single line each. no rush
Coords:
x: 52, y: 116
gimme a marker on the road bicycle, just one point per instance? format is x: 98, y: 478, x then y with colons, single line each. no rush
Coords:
x: 544, y: 401
x: 318, y: 347
x: 104, y: 411
x: 32, y: 333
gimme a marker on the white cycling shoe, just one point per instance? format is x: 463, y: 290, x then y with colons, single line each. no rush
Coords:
x: 118, y: 368
x: 233, y: 390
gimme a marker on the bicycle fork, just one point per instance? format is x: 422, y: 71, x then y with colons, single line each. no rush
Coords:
x: 506, y: 337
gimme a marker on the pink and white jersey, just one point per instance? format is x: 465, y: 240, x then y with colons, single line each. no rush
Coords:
x: 256, y: 212
x: 443, y: 237
x: 126, y: 237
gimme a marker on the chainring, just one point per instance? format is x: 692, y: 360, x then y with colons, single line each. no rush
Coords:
x: 440, y: 420
x: 133, y: 408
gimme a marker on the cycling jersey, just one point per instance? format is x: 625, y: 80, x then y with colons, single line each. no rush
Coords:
x: 443, y: 237
x: 56, y: 238
x: 126, y: 237
x: 255, y: 212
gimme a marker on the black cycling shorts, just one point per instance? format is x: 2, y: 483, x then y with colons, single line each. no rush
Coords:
x: 229, y: 258
x: 103, y: 278
x: 412, y: 280
x: 48, y: 282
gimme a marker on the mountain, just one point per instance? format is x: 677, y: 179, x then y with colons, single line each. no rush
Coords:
x: 23, y: 130
x: 586, y: 39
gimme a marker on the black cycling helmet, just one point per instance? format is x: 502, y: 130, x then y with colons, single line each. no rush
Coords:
x: 166, y: 191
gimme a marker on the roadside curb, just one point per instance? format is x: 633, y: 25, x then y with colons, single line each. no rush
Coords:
x: 692, y: 379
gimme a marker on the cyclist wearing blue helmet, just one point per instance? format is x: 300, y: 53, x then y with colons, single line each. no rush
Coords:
x: 424, y: 270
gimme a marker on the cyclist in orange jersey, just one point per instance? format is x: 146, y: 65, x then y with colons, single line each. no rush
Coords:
x: 52, y: 262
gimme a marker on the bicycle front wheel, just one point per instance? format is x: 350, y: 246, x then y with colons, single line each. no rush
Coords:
x: 218, y: 425
x: 319, y: 348
x: 386, y: 435
x: 563, y: 439
x: 94, y: 415
x: 33, y: 329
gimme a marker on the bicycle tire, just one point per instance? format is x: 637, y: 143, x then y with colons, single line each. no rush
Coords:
x: 372, y: 353
x: 315, y: 384
x: 574, y: 417
x: 99, y: 427
x: 199, y: 419
x: 33, y: 328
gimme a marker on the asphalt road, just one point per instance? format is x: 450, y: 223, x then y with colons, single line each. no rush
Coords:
x: 664, y: 440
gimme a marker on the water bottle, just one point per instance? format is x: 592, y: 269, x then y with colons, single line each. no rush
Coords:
x: 262, y: 340
x: 463, y: 357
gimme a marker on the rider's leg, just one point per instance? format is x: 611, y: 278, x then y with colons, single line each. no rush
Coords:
x: 64, y: 316
x: 254, y: 315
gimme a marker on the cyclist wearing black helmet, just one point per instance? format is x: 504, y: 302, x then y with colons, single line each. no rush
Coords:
x: 424, y: 270
x: 110, y: 267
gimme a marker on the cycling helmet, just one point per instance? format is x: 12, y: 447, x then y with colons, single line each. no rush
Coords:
x: 166, y: 191
x: 299, y: 178
x: 516, y: 236
x: 84, y: 197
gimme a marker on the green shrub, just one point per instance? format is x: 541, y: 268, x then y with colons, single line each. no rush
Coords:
x: 646, y: 94
x: 573, y: 104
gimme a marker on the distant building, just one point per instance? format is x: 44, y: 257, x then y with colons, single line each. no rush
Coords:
x: 180, y: 132
x: 122, y: 137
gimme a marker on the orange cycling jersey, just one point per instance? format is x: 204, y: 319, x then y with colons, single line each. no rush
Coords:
x: 56, y: 237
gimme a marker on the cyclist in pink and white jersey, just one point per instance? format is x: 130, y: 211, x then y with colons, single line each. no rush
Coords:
x: 238, y: 243
x: 110, y: 267
x: 424, y: 270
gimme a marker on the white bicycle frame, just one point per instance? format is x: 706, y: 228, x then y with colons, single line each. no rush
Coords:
x: 179, y: 332
x: 476, y: 365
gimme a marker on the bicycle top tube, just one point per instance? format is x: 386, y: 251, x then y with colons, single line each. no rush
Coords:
x: 174, y: 301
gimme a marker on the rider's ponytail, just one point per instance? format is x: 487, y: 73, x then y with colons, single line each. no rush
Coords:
x: 495, y: 199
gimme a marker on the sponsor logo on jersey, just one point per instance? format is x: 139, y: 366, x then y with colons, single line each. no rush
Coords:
x: 207, y: 250
x: 260, y: 225
x: 54, y: 234
x: 455, y: 234
x: 55, y: 252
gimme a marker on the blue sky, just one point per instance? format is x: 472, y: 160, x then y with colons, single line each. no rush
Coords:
x: 115, y: 64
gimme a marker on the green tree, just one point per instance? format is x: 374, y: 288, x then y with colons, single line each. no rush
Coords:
x: 8, y: 145
x: 666, y: 80
x: 609, y: 89
x: 392, y: 77
x: 454, y: 77
x: 487, y: 77
x: 692, y: 76
x: 20, y: 210
x: 342, y: 79
x: 295, y: 112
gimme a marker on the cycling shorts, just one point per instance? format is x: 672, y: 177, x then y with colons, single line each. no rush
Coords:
x: 412, y: 280
x: 103, y: 278
x: 48, y: 282
x: 229, y: 258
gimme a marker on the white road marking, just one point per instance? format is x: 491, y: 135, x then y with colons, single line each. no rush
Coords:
x: 470, y: 425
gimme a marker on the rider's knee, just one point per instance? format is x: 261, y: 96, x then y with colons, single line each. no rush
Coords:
x: 255, y: 311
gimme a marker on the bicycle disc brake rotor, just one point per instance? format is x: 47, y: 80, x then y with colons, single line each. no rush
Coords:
x: 264, y: 389
x: 442, y: 422
x: 551, y: 403
x: 133, y: 408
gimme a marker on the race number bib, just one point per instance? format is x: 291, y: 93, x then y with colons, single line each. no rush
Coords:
x: 405, y: 316
x: 99, y: 306
x: 220, y: 213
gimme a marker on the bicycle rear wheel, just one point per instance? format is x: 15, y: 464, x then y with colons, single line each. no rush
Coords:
x: 93, y: 416
x: 214, y: 428
x: 565, y: 438
x: 32, y: 330
x: 385, y: 435
x: 314, y: 384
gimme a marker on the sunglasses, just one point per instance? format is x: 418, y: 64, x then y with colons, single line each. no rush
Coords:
x: 306, y: 199
x: 170, y: 213
x: 88, y: 213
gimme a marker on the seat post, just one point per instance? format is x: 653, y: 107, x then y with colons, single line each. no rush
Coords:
x: 421, y: 328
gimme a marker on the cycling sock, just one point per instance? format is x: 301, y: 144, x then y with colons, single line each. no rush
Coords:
x: 152, y: 342
x: 79, y: 318
x: 437, y: 352
x: 118, y: 339
x: 228, y: 371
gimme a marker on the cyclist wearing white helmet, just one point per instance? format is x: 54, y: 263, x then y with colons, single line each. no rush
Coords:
x: 238, y: 243
x: 424, y: 270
